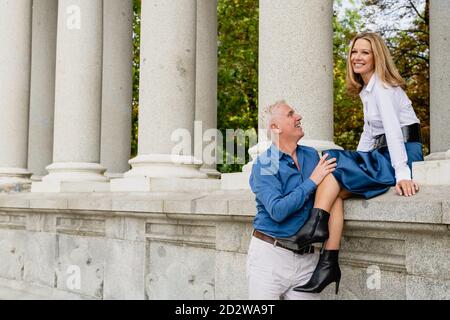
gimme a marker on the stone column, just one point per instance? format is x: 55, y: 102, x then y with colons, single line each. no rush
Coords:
x: 439, y: 75
x: 167, y: 96
x: 436, y: 170
x: 296, y: 64
x: 117, y: 86
x: 15, y: 66
x: 206, y: 84
x: 76, y: 151
x: 42, y: 91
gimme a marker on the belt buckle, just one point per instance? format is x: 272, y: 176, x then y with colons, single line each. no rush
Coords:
x: 275, y: 242
x: 380, y: 142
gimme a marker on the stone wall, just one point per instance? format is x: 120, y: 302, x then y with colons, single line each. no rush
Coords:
x: 193, y: 246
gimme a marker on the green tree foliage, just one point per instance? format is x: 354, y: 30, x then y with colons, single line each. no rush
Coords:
x: 136, y: 64
x: 238, y: 68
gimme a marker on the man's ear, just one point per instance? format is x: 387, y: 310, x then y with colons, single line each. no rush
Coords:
x: 274, y: 128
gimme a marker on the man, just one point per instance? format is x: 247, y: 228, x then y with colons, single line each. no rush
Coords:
x: 284, y: 179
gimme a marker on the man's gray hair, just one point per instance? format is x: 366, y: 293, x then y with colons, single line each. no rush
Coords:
x: 271, y: 110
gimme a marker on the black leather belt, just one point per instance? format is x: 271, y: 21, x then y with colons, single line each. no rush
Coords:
x: 271, y: 240
x: 411, y: 133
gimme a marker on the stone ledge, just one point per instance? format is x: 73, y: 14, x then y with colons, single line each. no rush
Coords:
x: 430, y: 206
x: 427, y: 206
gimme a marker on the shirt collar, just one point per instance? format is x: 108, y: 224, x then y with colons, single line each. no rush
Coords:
x: 274, y: 150
x: 369, y: 86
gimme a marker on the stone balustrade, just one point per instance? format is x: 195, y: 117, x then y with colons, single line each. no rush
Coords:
x: 193, y: 246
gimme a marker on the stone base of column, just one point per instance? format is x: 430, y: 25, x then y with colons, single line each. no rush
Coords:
x: 113, y: 175
x: 435, y: 170
x: 163, y: 172
x: 212, y: 173
x: 36, y: 178
x: 11, y: 177
x: 73, y: 177
x: 320, y: 145
x: 164, y: 166
x: 438, y: 155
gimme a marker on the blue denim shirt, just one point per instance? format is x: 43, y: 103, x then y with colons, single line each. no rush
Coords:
x: 284, y: 194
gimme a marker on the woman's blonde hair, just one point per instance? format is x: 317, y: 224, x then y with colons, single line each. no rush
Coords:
x: 384, y: 65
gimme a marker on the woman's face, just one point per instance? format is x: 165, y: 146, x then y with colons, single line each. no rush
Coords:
x: 361, y: 58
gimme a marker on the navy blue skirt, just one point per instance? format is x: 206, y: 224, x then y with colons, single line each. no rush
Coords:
x: 369, y: 174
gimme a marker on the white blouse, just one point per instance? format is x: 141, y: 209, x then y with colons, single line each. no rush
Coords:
x: 386, y: 110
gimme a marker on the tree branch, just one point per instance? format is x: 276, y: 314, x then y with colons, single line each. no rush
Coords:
x: 415, y: 9
x: 404, y: 30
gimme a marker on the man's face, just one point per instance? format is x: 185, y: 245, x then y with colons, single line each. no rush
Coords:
x: 288, y: 124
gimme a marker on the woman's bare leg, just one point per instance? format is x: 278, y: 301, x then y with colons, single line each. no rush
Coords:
x: 327, y: 192
x: 335, y: 225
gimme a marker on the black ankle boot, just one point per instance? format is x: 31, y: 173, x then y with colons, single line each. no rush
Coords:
x: 326, y: 272
x: 308, y: 236
x: 314, y: 230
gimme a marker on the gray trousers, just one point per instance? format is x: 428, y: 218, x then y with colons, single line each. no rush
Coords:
x: 272, y: 272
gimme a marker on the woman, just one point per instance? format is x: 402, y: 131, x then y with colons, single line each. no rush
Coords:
x: 390, y: 142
